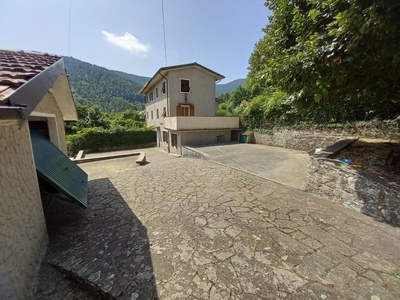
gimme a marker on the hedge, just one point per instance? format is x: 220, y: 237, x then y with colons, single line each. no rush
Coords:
x: 96, y: 139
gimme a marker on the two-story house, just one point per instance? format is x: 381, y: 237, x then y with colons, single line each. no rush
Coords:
x: 181, y: 105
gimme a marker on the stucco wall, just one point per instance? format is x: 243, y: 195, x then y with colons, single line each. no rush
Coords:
x: 158, y: 103
x: 22, y: 224
x: 49, y: 105
x: 202, y: 91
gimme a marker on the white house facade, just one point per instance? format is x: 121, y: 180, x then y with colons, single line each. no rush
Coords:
x: 181, y: 105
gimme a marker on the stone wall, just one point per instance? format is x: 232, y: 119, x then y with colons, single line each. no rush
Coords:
x: 355, y: 188
x: 22, y: 224
x: 189, y: 152
x: 310, y: 138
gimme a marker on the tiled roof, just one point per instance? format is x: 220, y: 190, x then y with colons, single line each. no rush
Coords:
x: 18, y: 67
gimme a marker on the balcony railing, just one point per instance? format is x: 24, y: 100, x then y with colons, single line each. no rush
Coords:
x: 201, y: 123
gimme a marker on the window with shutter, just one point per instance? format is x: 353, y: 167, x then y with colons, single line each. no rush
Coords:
x: 185, y: 88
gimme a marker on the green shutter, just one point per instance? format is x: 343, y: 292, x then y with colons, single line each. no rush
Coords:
x: 58, y: 170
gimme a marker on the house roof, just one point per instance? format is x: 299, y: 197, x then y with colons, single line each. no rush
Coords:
x: 157, y: 76
x: 25, y: 77
x: 18, y: 67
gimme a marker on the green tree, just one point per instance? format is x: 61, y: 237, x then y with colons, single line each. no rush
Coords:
x: 336, y: 59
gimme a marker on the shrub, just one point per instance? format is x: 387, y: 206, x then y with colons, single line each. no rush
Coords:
x: 97, y: 138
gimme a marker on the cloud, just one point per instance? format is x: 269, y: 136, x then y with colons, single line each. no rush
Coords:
x: 127, y: 42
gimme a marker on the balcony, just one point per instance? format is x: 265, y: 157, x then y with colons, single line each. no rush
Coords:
x: 201, y: 123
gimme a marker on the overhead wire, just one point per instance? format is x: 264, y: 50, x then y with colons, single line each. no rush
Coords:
x: 165, y: 43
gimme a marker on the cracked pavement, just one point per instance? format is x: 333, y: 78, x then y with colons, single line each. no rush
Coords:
x: 212, y: 232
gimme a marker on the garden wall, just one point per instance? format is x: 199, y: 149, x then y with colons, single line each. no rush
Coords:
x: 309, y: 138
x: 355, y: 188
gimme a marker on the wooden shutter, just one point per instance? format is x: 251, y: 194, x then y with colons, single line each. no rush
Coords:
x: 179, y: 111
x: 192, y: 110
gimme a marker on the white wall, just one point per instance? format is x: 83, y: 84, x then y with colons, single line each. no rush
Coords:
x: 49, y: 105
x: 189, y: 123
x: 202, y: 91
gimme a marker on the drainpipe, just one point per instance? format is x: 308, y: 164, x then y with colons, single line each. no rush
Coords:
x: 168, y: 108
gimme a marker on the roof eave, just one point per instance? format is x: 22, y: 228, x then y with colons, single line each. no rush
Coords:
x: 148, y: 84
x: 32, y: 92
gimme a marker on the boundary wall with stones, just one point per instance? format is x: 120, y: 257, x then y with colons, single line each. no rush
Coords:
x: 309, y: 138
x: 352, y: 186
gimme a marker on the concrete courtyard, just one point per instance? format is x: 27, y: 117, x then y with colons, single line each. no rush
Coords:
x: 285, y: 166
x: 181, y: 228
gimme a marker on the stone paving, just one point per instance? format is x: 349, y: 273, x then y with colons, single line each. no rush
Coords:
x: 191, y: 229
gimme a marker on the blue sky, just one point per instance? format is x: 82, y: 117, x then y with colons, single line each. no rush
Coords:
x: 127, y: 35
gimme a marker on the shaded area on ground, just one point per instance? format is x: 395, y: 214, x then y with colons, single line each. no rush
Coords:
x: 285, y: 166
x: 103, y: 250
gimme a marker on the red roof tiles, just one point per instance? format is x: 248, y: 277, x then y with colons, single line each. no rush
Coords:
x: 18, y: 67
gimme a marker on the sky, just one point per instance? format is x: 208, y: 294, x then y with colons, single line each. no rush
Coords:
x: 127, y: 35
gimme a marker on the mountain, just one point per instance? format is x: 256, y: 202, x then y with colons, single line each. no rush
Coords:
x: 94, y: 85
x: 228, y: 87
x: 135, y: 78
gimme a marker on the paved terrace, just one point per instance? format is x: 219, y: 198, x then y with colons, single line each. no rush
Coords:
x: 181, y: 228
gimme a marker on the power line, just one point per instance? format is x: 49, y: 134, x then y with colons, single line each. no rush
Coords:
x: 69, y: 29
x: 165, y: 43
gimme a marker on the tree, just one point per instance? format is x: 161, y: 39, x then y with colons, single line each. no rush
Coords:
x: 336, y: 56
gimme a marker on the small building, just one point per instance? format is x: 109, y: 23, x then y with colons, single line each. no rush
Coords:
x: 35, y: 100
x: 181, y: 105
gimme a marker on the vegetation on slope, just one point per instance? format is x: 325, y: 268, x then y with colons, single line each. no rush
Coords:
x: 96, y: 130
x: 94, y: 85
x: 323, y: 62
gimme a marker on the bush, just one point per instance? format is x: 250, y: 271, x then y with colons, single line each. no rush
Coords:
x: 97, y: 138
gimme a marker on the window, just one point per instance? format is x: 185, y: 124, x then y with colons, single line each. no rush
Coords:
x: 151, y: 96
x: 174, y: 140
x: 157, y: 115
x: 156, y: 92
x: 185, y: 110
x: 165, y: 136
x: 164, y: 113
x: 147, y: 115
x: 185, y: 88
x: 164, y: 88
x: 152, y: 115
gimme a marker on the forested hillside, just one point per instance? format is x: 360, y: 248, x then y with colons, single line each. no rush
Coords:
x: 94, y: 85
x: 141, y: 80
x: 228, y: 87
